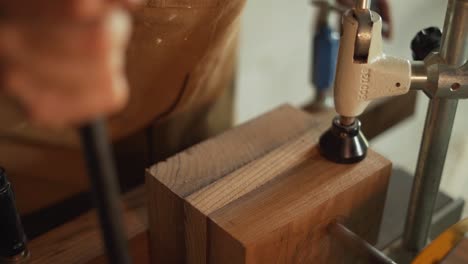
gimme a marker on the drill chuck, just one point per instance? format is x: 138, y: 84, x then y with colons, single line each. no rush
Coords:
x: 12, y: 236
x: 344, y: 144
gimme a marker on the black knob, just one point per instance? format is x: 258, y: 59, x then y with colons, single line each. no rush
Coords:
x: 426, y: 41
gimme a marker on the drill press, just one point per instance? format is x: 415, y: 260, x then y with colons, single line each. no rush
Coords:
x: 364, y: 74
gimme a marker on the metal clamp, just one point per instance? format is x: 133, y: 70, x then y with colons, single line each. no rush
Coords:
x: 445, y: 81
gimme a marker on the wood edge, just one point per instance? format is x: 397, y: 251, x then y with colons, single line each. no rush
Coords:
x: 306, y: 122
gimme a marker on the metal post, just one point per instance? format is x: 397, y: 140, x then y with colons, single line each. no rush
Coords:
x: 437, y: 133
x: 418, y: 76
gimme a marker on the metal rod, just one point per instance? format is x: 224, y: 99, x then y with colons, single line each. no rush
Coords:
x: 363, y: 4
x: 358, y: 245
x: 454, y: 48
x: 418, y: 76
x: 437, y: 132
x: 102, y: 174
x: 432, y: 154
x: 347, y: 121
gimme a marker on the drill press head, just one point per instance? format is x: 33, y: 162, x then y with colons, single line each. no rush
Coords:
x: 363, y: 73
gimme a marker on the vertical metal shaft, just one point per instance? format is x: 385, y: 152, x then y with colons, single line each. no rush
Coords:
x: 102, y: 174
x: 434, y: 146
x: 455, y: 36
x: 437, y: 132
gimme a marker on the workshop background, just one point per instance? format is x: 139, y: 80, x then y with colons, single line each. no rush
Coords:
x: 274, y: 69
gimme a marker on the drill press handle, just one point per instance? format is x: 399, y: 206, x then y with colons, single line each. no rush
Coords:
x: 364, y: 73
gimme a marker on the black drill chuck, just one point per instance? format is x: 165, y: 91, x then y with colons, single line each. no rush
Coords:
x: 12, y: 236
x: 344, y: 144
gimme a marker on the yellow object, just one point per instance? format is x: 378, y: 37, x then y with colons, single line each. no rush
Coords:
x: 444, y: 244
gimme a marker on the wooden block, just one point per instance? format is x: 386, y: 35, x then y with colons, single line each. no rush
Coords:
x: 261, y: 193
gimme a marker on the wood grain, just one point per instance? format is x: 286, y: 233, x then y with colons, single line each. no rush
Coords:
x: 261, y: 193
x: 236, y: 148
x: 284, y: 221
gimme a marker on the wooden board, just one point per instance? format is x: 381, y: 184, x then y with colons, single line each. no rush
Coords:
x: 261, y: 193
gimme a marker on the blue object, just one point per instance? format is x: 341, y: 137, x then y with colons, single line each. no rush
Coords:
x: 326, y: 44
